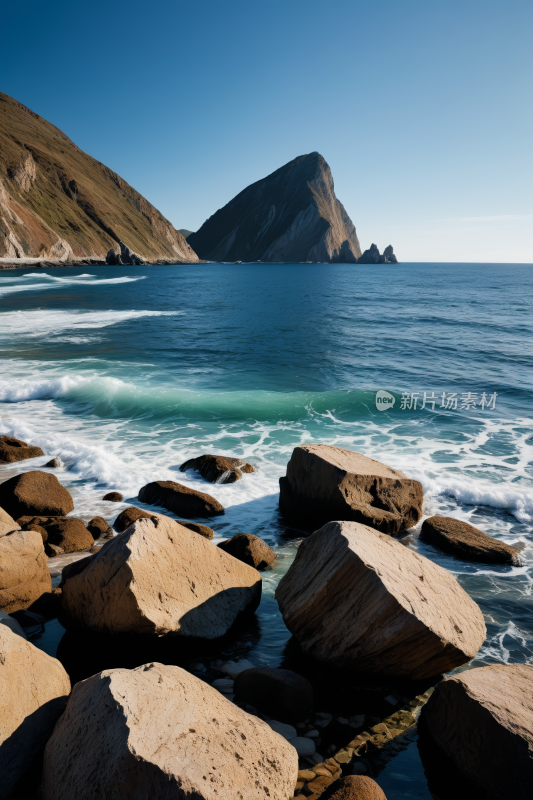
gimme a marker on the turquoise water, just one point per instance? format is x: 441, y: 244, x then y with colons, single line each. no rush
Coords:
x: 127, y: 372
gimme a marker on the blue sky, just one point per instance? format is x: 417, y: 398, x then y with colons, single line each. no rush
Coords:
x: 422, y: 108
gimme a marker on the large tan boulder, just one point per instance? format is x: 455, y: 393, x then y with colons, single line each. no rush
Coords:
x: 181, y: 500
x: 24, y: 574
x: 359, y: 599
x: 159, y: 732
x: 12, y: 450
x: 33, y: 692
x: 160, y: 578
x: 35, y: 492
x: 483, y: 720
x: 465, y: 541
x: 326, y: 483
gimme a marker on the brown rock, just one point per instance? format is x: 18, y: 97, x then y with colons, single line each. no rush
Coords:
x: 128, y: 517
x: 35, y: 492
x: 32, y: 526
x: 483, y: 720
x: 467, y: 542
x: 203, y: 530
x: 359, y: 599
x: 357, y: 787
x: 54, y: 463
x: 33, y: 692
x: 7, y: 523
x: 159, y: 732
x: 181, y: 500
x: 159, y: 578
x: 24, y: 575
x: 250, y: 549
x: 12, y: 450
x: 69, y: 534
x: 98, y: 527
x: 218, y: 469
x: 113, y: 497
x: 329, y: 483
x: 280, y: 693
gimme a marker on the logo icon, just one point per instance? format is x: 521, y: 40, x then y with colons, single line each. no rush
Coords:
x: 384, y: 400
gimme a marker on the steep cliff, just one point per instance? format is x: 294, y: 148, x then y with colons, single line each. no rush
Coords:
x: 291, y: 215
x: 58, y: 202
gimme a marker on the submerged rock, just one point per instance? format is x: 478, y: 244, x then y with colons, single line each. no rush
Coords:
x: 12, y: 450
x: 35, y: 492
x: 280, y: 693
x: 359, y: 599
x: 466, y: 541
x: 33, y: 691
x: 159, y: 732
x: 250, y: 549
x: 218, y: 469
x: 181, y: 500
x: 483, y: 720
x: 326, y: 483
x: 159, y: 578
x: 24, y: 574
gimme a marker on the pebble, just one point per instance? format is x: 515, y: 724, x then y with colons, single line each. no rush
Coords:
x: 224, y: 685
x: 234, y: 668
x: 306, y: 775
x: 304, y: 746
x: 392, y: 700
x: 312, y: 735
x: 287, y: 731
x: 322, y: 719
x: 316, y: 758
x: 358, y: 721
x: 332, y: 748
x: 342, y: 720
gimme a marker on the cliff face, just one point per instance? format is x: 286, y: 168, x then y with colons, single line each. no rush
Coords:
x: 58, y: 202
x: 291, y: 215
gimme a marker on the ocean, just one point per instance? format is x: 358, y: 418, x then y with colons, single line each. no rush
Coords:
x: 126, y: 372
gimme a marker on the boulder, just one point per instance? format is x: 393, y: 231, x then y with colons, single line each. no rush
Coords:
x: 33, y: 692
x: 250, y: 549
x: 389, y: 256
x: 12, y: 450
x: 359, y: 599
x: 160, y: 578
x: 69, y: 534
x: 203, y: 530
x: 99, y: 527
x: 356, y: 787
x: 128, y: 517
x: 482, y: 719
x: 469, y: 543
x: 7, y: 523
x: 24, y: 574
x: 280, y: 693
x: 113, y: 497
x: 55, y: 463
x: 326, y: 483
x: 157, y: 731
x: 181, y: 500
x: 35, y: 492
x: 370, y: 256
x: 218, y: 469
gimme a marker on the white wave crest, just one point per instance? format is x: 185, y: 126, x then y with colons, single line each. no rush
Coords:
x: 37, y: 322
x: 80, y: 280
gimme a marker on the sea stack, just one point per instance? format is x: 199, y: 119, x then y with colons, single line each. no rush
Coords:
x: 291, y: 215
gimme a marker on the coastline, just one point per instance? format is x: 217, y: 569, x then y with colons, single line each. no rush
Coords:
x: 49, y: 263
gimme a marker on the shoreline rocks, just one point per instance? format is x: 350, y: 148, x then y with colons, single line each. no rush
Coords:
x: 326, y: 483
x: 128, y: 517
x: 280, y: 693
x: 467, y: 542
x: 358, y: 599
x: 36, y: 493
x: 181, y: 500
x: 250, y: 550
x: 12, y: 450
x: 113, y: 497
x: 24, y: 574
x: 203, y: 530
x: 218, y: 469
x: 69, y: 534
x: 159, y: 578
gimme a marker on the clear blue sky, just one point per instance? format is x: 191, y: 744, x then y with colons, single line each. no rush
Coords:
x: 422, y: 108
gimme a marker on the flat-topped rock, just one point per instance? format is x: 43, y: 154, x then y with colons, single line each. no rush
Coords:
x: 24, y: 574
x: 12, y: 450
x: 359, y: 599
x: 181, y: 500
x: 250, y: 549
x: 326, y: 483
x: 483, y: 720
x: 465, y: 541
x: 218, y: 469
x: 159, y: 578
x: 35, y: 492
x: 159, y: 732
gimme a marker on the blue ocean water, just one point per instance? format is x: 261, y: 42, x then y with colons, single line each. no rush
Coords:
x: 128, y: 371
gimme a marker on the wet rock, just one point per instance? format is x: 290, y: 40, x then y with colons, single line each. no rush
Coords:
x: 370, y: 256
x: 128, y: 517
x: 329, y: 483
x: 159, y: 578
x: 467, y: 542
x: 203, y: 530
x: 98, y: 527
x: 24, y: 575
x: 35, y: 492
x: 250, y: 549
x: 218, y: 469
x: 55, y: 463
x: 355, y: 787
x: 33, y: 692
x: 12, y: 450
x: 280, y: 693
x: 358, y: 599
x: 482, y: 719
x: 167, y: 734
x: 113, y: 497
x: 181, y: 500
